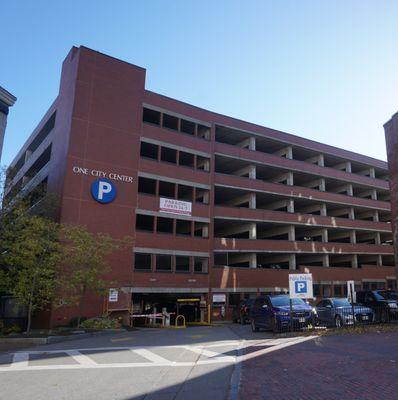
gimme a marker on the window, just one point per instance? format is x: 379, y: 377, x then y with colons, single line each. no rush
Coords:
x: 204, y: 132
x: 202, y: 196
x: 183, y: 227
x: 163, y: 262
x: 182, y: 264
x: 147, y: 186
x: 149, y: 150
x: 164, y: 225
x: 142, y: 261
x: 187, y: 127
x: 200, y: 264
x: 168, y: 155
x: 144, y: 222
x: 170, y: 122
x: 185, y: 193
x: 151, y: 116
x: 201, y: 229
x: 166, y: 189
x: 202, y: 163
x: 186, y: 159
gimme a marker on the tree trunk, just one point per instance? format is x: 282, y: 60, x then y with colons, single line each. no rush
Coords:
x: 29, y: 317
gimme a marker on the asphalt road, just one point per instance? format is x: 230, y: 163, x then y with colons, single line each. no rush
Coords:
x: 193, y: 363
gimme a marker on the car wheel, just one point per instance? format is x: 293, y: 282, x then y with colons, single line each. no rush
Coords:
x: 274, y: 326
x: 254, y: 327
x: 338, y: 322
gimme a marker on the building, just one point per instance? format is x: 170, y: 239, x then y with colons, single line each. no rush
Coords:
x: 219, y: 209
x: 7, y: 100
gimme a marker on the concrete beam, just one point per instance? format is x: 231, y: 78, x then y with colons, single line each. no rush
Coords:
x: 347, y: 188
x: 319, y: 160
x: 372, y: 193
x: 286, y: 177
x: 249, y: 171
x: 368, y: 172
x: 316, y: 184
x: 342, y: 211
x: 344, y: 166
x: 285, y: 152
x: 249, y: 143
x: 251, y: 228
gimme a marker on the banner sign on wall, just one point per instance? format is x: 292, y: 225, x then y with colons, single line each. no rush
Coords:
x: 175, y: 206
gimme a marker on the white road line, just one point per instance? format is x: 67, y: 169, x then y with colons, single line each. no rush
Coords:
x: 20, y: 360
x: 80, y: 358
x: 208, y: 353
x: 274, y: 348
x: 151, y: 356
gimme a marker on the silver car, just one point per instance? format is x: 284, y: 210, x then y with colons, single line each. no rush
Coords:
x: 339, y: 312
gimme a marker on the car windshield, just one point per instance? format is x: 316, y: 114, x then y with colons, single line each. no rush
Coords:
x: 386, y: 295
x: 284, y: 301
x: 341, y: 303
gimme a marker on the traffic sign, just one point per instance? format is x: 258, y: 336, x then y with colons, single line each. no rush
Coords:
x: 300, y: 286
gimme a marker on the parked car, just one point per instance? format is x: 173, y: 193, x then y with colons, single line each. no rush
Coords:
x: 241, y: 313
x: 339, y: 312
x: 384, y: 303
x: 272, y: 312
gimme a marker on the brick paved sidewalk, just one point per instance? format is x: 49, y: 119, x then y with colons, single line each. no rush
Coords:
x: 337, y: 367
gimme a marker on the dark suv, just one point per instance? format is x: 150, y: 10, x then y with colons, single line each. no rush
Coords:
x: 241, y: 313
x: 384, y: 303
x: 273, y: 312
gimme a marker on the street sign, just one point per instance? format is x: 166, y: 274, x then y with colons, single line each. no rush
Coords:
x: 300, y: 286
x: 351, y: 295
x: 113, y: 295
x: 219, y: 298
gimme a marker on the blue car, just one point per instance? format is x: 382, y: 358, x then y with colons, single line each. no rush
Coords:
x: 272, y: 312
x: 339, y: 312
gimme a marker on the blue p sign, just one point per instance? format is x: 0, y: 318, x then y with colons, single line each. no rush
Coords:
x: 300, y: 286
x: 103, y: 190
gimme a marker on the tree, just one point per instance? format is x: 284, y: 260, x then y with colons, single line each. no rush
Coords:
x: 87, y: 265
x: 30, y: 262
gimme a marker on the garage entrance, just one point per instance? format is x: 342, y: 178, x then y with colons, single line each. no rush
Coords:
x: 186, y: 304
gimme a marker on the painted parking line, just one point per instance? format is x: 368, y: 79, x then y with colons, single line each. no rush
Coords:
x: 20, y: 361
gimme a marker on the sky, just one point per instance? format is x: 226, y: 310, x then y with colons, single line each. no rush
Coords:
x: 325, y: 70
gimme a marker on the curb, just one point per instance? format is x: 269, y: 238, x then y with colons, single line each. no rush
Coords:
x: 56, y: 339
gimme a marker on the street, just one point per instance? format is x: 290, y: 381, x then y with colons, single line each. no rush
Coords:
x: 149, y: 364
x: 227, y: 363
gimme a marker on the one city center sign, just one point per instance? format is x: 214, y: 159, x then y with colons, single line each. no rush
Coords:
x: 103, y: 189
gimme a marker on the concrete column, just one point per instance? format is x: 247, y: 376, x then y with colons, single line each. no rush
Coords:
x: 252, y: 200
x: 292, y: 262
x: 354, y: 262
x: 376, y: 216
x: 324, y: 211
x: 28, y: 153
x: 292, y: 233
x: 290, y: 206
x: 325, y: 260
x: 353, y: 237
x: 351, y: 213
x: 370, y: 172
x: 377, y: 238
x: 379, y: 260
x: 253, y: 231
x: 253, y: 260
x: 325, y: 235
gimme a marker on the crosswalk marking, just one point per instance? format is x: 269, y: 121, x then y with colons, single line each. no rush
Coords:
x: 151, y: 356
x: 20, y: 360
x: 80, y: 358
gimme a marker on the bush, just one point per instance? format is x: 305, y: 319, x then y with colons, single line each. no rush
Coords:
x: 73, y: 322
x: 100, y: 323
x: 11, y: 329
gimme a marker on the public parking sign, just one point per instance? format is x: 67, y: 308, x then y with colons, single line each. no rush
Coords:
x: 300, y: 286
